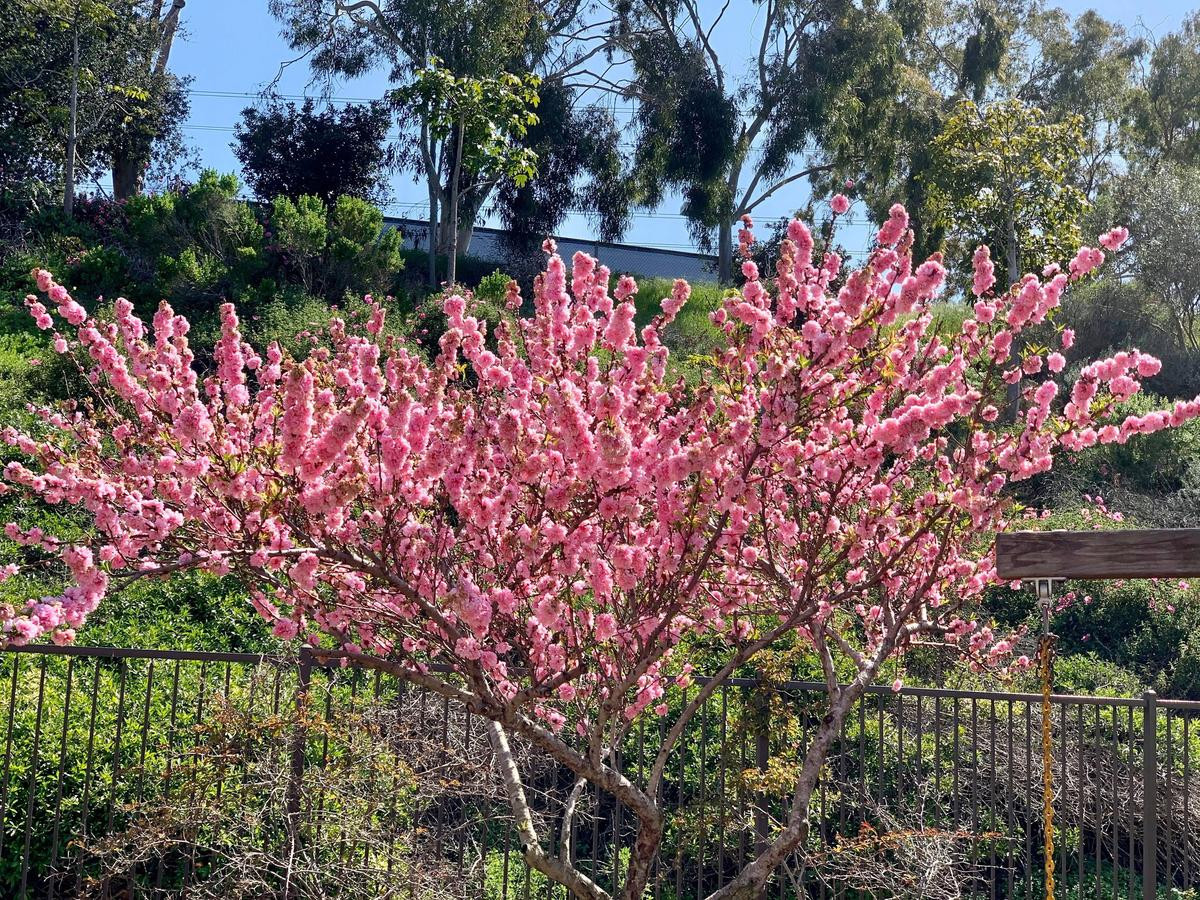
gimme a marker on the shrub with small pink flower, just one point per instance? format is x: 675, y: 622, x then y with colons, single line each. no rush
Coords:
x: 538, y: 540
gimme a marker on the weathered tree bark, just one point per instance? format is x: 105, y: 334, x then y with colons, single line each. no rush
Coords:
x: 72, y: 141
x: 725, y: 253
x: 131, y: 157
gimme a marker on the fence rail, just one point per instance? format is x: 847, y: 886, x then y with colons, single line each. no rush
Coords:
x: 148, y: 773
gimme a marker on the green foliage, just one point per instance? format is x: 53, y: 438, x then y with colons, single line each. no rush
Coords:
x: 1098, y: 881
x: 1157, y: 464
x: 487, y: 116
x: 1000, y: 176
x: 293, y: 152
x: 580, y: 167
x: 1166, y: 104
x: 98, y: 57
x: 300, y: 225
x: 470, y: 270
x: 1162, y: 210
x: 202, y: 244
x: 493, y: 288
x: 827, y: 75
x: 691, y: 337
x: 330, y: 251
x: 506, y: 875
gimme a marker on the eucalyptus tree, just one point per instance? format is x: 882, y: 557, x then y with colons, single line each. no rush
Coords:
x: 563, y: 42
x: 82, y: 90
x: 810, y: 105
x: 155, y: 114
x: 1165, y: 113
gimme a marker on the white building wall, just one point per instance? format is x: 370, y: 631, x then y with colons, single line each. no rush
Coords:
x: 620, y: 258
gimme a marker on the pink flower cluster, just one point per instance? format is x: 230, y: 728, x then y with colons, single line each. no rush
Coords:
x: 547, y: 509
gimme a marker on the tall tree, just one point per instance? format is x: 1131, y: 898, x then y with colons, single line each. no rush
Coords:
x: 81, y: 89
x: 538, y: 535
x: 580, y: 170
x: 554, y: 39
x: 1001, y: 175
x: 486, y: 118
x: 989, y: 51
x: 1161, y: 206
x: 1165, y: 120
x: 809, y: 108
x: 291, y: 152
x: 149, y: 118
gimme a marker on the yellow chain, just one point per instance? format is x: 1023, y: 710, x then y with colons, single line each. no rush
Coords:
x: 1047, y: 764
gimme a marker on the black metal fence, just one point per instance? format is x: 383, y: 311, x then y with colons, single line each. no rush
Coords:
x: 154, y: 773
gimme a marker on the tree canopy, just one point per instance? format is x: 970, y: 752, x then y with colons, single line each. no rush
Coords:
x: 291, y: 151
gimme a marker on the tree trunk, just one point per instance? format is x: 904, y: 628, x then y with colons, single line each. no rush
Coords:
x: 750, y: 883
x: 131, y: 159
x: 444, y: 238
x: 431, y: 236
x: 167, y: 30
x: 452, y: 264
x: 72, y: 124
x: 432, y: 186
x: 642, y: 855
x: 466, y: 230
x: 127, y: 168
x: 725, y: 252
x: 132, y: 156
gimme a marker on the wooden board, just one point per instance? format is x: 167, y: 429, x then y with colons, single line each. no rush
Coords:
x: 1148, y: 553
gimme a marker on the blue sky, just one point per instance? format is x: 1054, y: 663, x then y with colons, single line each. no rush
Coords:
x: 232, y: 48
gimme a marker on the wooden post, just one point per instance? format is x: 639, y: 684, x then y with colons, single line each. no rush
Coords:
x: 1098, y: 555
x: 1149, y: 796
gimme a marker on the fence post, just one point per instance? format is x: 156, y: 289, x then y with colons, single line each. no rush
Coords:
x: 762, y: 759
x: 299, y: 744
x: 1149, y: 795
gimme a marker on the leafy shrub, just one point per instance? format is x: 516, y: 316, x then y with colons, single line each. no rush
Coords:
x: 1111, y: 314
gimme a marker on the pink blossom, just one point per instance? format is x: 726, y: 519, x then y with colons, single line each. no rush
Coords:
x: 544, y: 515
x: 1114, y: 238
x: 985, y: 271
x: 894, y: 227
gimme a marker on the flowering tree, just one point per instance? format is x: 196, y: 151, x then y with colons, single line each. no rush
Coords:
x: 535, y: 530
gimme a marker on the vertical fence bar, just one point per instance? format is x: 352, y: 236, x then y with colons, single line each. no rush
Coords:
x: 12, y: 714
x: 1149, y: 795
x: 58, y: 790
x: 762, y: 757
x: 31, y: 783
x: 1187, y: 799
x: 1081, y: 781
x: 1168, y: 772
x: 299, y: 746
